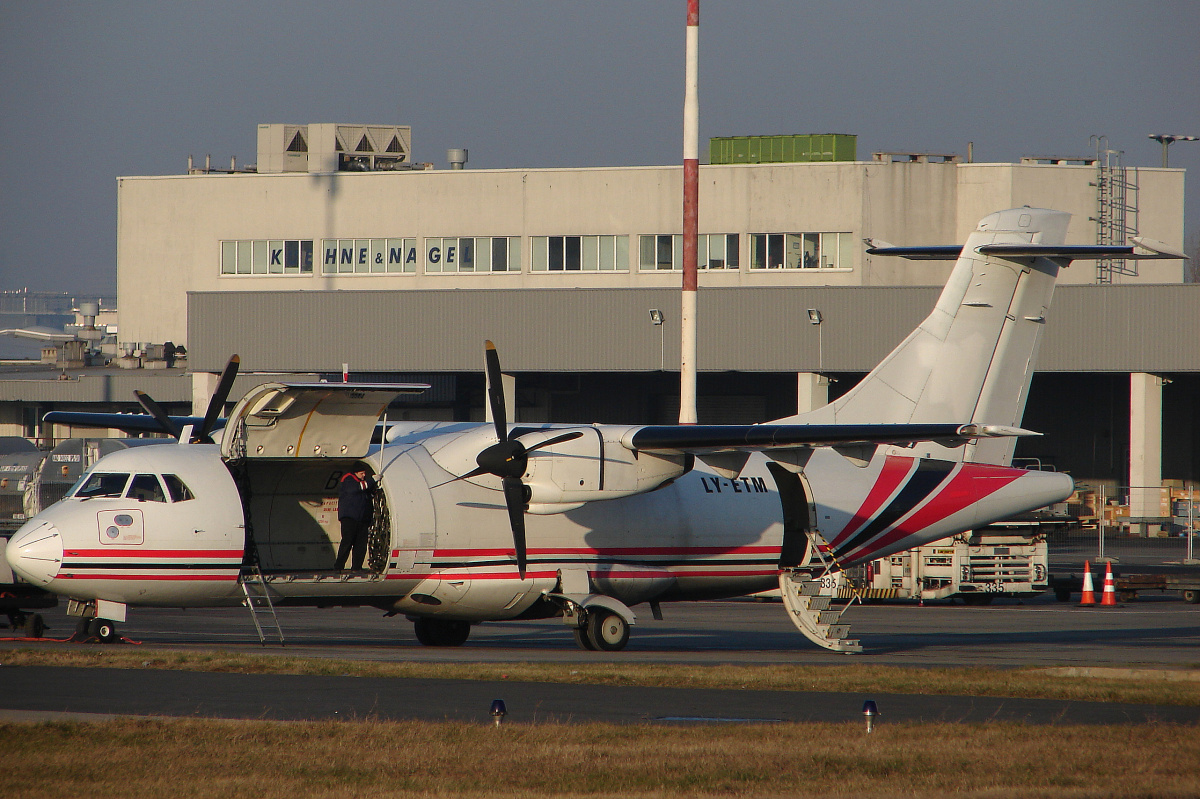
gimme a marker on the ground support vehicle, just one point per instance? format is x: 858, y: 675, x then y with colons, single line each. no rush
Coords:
x: 975, y: 567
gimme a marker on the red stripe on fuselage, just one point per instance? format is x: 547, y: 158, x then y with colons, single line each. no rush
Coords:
x: 532, y: 575
x: 972, y: 483
x: 232, y: 577
x: 895, y: 469
x: 607, y: 552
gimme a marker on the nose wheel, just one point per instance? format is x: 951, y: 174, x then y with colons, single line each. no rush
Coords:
x: 102, y: 630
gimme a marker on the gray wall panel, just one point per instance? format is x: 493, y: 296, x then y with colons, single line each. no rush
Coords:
x: 165, y: 386
x: 1089, y: 329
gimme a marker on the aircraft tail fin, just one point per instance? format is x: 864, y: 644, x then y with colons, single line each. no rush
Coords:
x: 972, y: 358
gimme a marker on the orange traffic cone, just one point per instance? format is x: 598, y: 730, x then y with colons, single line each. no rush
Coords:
x: 1089, y: 593
x: 1110, y: 587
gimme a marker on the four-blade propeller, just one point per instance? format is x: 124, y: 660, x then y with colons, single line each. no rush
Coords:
x: 203, y: 433
x: 508, y: 458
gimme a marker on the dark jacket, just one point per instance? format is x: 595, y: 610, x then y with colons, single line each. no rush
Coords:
x: 354, y: 498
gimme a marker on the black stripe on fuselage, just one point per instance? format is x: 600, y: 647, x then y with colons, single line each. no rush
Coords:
x: 928, y: 476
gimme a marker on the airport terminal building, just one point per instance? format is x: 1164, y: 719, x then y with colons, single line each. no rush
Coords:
x: 337, y: 250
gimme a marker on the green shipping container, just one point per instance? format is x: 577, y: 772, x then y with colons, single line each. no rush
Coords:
x: 782, y: 149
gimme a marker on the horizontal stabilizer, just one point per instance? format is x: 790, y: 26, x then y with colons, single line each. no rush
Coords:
x: 1146, y: 249
x: 938, y: 252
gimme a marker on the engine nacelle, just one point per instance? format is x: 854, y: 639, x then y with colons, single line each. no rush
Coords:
x: 563, y: 476
x: 595, y: 466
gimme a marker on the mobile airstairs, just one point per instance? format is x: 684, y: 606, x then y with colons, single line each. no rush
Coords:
x: 808, y: 593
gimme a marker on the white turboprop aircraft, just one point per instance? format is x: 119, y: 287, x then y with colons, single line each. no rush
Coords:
x: 614, y: 515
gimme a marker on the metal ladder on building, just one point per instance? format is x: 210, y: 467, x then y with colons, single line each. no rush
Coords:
x: 808, y: 598
x: 1117, y: 211
x: 258, y: 600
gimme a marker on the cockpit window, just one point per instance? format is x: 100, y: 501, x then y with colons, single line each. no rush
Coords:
x: 146, y: 488
x: 177, y: 489
x: 103, y: 484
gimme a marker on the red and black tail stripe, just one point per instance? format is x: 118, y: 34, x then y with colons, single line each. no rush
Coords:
x: 922, y: 482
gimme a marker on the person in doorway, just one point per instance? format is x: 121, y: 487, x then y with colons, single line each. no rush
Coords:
x: 354, y: 512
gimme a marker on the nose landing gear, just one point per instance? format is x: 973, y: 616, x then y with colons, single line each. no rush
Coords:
x: 101, y: 630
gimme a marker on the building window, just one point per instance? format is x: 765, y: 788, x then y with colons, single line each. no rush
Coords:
x: 800, y: 251
x: 267, y: 257
x: 717, y: 251
x: 368, y: 256
x: 713, y: 251
x: 473, y: 254
x: 580, y: 253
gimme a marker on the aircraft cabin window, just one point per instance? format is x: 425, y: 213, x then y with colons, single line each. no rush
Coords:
x: 146, y: 488
x: 103, y: 484
x: 177, y: 489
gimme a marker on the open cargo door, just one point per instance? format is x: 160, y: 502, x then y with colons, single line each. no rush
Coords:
x: 287, y: 445
x: 308, y: 420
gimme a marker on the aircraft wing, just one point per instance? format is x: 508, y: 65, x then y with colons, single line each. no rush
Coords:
x: 144, y: 423
x: 702, y: 439
x: 128, y: 422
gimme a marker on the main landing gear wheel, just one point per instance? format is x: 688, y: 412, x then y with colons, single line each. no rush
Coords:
x: 607, y: 631
x: 442, y: 632
x: 582, y: 640
x: 35, y: 626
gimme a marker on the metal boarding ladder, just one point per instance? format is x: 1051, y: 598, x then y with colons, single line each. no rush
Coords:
x: 808, y: 600
x: 258, y: 600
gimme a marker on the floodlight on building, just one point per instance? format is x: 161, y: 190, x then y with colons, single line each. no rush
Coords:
x: 815, y: 318
x: 656, y: 319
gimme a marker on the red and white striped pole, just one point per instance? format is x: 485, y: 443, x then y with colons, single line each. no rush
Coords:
x: 691, y: 190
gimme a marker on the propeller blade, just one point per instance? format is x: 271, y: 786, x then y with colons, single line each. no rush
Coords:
x: 473, y: 473
x: 495, y: 391
x: 216, y: 404
x: 514, y: 498
x: 160, y: 416
x: 556, y: 440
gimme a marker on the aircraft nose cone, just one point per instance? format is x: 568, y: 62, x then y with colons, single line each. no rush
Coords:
x: 36, y: 554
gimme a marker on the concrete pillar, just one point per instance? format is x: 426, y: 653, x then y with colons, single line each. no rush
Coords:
x: 204, y: 385
x: 812, y: 391
x: 1145, y: 448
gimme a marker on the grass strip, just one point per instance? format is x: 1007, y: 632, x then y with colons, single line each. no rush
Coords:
x: 1029, y: 683
x: 132, y: 759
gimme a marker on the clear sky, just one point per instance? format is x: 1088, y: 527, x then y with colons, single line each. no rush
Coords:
x: 95, y: 90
